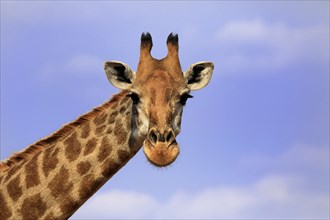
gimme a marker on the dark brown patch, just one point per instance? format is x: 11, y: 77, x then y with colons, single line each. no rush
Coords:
x: 122, y: 109
x: 85, y: 131
x: 112, y: 120
x: 120, y: 133
x: 100, y: 129
x: 90, y: 146
x: 68, y: 207
x: 33, y: 207
x: 83, y: 167
x: 105, y: 149
x: 73, y: 147
x: 88, y: 186
x: 109, y: 168
x: 5, y: 212
x: 60, y: 186
x: 100, y: 119
x: 123, y: 155
x: 109, y: 130
x: 112, y: 117
x: 14, y: 190
x: 31, y: 170
x: 50, y: 160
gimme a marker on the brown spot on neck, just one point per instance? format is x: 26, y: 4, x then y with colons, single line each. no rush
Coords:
x: 123, y: 156
x: 32, y: 175
x: 90, y: 146
x: 14, y: 190
x: 83, y: 167
x: 73, y: 147
x: 68, y: 207
x: 5, y: 211
x: 100, y: 130
x: 85, y: 131
x: 122, y: 109
x: 120, y: 133
x: 33, y: 207
x: 60, y: 186
x: 113, y: 117
x: 50, y: 160
x: 105, y: 149
x: 88, y: 186
x: 110, y: 167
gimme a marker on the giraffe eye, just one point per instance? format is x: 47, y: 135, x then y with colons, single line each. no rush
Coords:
x: 135, y: 98
x: 184, y: 97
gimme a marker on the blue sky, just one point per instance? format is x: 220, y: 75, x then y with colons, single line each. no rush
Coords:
x: 254, y: 142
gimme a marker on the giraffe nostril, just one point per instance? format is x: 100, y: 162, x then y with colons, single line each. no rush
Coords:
x: 152, y: 136
x: 155, y: 136
x: 169, y: 136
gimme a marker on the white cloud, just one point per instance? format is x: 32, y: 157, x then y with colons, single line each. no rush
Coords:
x: 118, y: 204
x: 269, y: 197
x: 275, y: 195
x: 259, y: 46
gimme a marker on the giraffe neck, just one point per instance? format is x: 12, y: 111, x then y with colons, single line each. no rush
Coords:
x: 56, y: 180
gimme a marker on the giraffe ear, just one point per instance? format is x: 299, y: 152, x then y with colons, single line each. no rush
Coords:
x: 119, y: 74
x: 199, y: 75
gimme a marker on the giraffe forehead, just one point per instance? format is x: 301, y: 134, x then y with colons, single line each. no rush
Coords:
x: 165, y: 70
x: 159, y: 85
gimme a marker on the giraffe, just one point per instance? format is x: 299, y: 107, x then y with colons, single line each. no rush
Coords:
x: 53, y: 177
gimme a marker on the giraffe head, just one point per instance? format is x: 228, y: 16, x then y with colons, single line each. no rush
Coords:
x: 158, y: 90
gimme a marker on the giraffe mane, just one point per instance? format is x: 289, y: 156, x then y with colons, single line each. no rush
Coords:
x: 58, y: 135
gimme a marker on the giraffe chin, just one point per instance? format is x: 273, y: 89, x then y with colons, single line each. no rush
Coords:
x: 161, y: 154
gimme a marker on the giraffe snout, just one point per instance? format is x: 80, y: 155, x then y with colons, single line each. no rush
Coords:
x: 160, y: 147
x: 155, y: 136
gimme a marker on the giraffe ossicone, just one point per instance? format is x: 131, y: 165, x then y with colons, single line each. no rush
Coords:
x: 54, y: 176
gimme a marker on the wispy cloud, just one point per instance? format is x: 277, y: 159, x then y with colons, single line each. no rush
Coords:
x: 84, y: 63
x: 272, y: 196
x: 277, y: 195
x: 80, y: 64
x: 299, y: 158
x: 259, y: 46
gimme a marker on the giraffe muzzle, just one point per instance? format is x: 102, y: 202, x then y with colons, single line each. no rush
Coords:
x: 161, y: 148
x: 155, y: 136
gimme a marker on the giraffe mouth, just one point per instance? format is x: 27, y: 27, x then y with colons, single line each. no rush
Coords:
x: 161, y: 154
